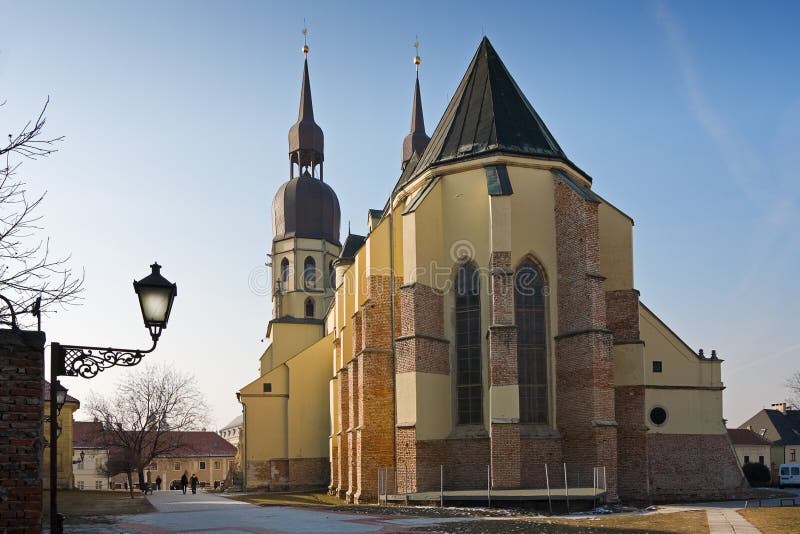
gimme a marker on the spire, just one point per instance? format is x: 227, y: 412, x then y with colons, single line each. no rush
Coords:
x: 417, y: 139
x: 487, y: 114
x: 306, y: 140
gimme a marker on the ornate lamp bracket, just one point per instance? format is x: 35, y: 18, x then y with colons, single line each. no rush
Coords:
x: 78, y: 360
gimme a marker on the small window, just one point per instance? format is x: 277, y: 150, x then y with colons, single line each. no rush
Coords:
x: 657, y: 366
x: 309, y: 307
x: 154, y: 466
x: 331, y: 276
x: 80, y: 484
x: 761, y: 460
x: 177, y: 466
x: 792, y: 456
x: 217, y: 465
x: 98, y: 484
x: 284, y: 274
x: 746, y: 459
x: 658, y: 415
x: 202, y: 465
x: 267, y: 387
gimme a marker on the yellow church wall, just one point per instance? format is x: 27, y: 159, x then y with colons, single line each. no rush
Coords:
x: 688, y: 388
x: 287, y: 339
x: 505, y: 404
x: 309, y: 375
x: 616, y: 247
x: 629, y: 365
x: 428, y: 390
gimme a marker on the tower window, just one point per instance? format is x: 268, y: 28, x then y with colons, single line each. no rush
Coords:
x: 469, y: 386
x: 331, y: 276
x: 529, y: 313
x: 658, y: 415
x: 657, y: 366
x: 310, y: 272
x: 309, y: 307
x: 284, y: 274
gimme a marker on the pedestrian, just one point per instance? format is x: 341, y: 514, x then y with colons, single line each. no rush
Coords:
x: 184, y: 482
x: 194, y: 483
x: 158, y: 483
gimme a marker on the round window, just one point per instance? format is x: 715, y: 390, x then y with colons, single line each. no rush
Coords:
x: 658, y: 415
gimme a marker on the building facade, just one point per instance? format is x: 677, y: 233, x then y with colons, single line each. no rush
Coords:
x: 64, y: 466
x: 488, y: 319
x: 750, y: 447
x: 780, y: 425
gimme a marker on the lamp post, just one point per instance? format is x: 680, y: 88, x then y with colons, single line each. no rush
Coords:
x: 156, y: 295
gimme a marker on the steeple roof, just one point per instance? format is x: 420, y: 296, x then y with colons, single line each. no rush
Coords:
x: 306, y: 140
x: 417, y: 140
x: 488, y: 113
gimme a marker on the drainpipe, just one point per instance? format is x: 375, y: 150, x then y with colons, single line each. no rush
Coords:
x: 243, y: 438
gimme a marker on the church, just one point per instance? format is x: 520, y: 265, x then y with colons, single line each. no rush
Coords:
x: 488, y: 323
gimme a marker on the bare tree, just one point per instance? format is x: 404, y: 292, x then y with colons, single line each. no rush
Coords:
x: 148, y: 414
x: 27, y: 270
x: 793, y: 383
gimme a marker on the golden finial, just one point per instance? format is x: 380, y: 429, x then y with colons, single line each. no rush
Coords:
x: 417, y: 59
x: 304, y: 31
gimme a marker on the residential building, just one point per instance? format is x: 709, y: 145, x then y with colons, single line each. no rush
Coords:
x: 749, y: 446
x: 232, y: 431
x: 487, y: 322
x: 90, y: 457
x: 780, y: 425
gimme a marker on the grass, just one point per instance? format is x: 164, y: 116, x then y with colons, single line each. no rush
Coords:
x: 777, y: 520
x: 95, y: 506
x: 675, y: 523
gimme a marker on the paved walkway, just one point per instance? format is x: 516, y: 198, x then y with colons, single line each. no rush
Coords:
x: 728, y: 521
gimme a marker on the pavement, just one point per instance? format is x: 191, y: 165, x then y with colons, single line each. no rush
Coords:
x: 206, y: 512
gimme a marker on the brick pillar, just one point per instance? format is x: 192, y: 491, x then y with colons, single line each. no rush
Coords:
x: 352, y: 389
x: 622, y: 312
x: 584, y: 363
x: 21, y: 373
x: 376, y: 420
x: 343, y: 454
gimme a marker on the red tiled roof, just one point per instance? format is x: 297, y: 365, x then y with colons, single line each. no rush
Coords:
x: 201, y: 444
x: 87, y: 435
x: 744, y: 436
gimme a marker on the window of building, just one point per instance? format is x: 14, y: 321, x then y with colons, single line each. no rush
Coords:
x: 98, y: 484
x: 310, y: 272
x: 216, y: 464
x: 792, y: 455
x: 746, y: 459
x: 657, y: 366
x: 267, y: 387
x: 154, y: 466
x: 529, y: 313
x: 469, y: 386
x: 658, y: 415
x: 202, y: 465
x: 177, y: 466
x: 331, y: 276
x: 309, y: 307
x: 284, y: 274
x: 761, y: 460
x: 80, y: 484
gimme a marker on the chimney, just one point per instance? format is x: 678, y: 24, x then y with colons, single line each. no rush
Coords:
x: 780, y: 406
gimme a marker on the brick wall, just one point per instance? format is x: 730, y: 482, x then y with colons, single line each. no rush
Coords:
x: 342, y: 453
x: 21, y: 373
x: 584, y: 362
x: 693, y: 467
x: 535, y: 453
x: 421, y: 346
x: 622, y: 315
x: 632, y: 455
x: 308, y: 472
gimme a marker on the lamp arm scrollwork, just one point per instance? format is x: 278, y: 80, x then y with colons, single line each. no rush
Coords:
x: 79, y: 360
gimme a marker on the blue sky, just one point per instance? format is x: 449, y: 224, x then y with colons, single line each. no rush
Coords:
x: 685, y: 113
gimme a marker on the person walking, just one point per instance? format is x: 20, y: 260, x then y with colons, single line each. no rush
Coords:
x: 184, y: 482
x: 194, y: 483
x: 158, y: 483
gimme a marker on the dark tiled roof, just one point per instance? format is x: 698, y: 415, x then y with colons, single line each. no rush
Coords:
x: 488, y: 113
x: 744, y: 436
x: 782, y: 428
x: 352, y: 243
x: 87, y: 435
x: 46, y: 394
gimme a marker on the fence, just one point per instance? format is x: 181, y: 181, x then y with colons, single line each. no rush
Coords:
x: 558, y: 481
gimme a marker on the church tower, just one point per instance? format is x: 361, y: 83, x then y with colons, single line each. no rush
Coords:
x: 305, y: 221
x: 417, y: 140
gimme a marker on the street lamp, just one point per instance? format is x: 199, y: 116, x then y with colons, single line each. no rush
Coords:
x: 61, y: 397
x: 156, y: 295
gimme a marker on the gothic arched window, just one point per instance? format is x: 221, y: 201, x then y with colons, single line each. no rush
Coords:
x: 284, y: 274
x: 469, y: 385
x: 309, y: 307
x: 310, y: 272
x: 331, y: 275
x: 529, y: 313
